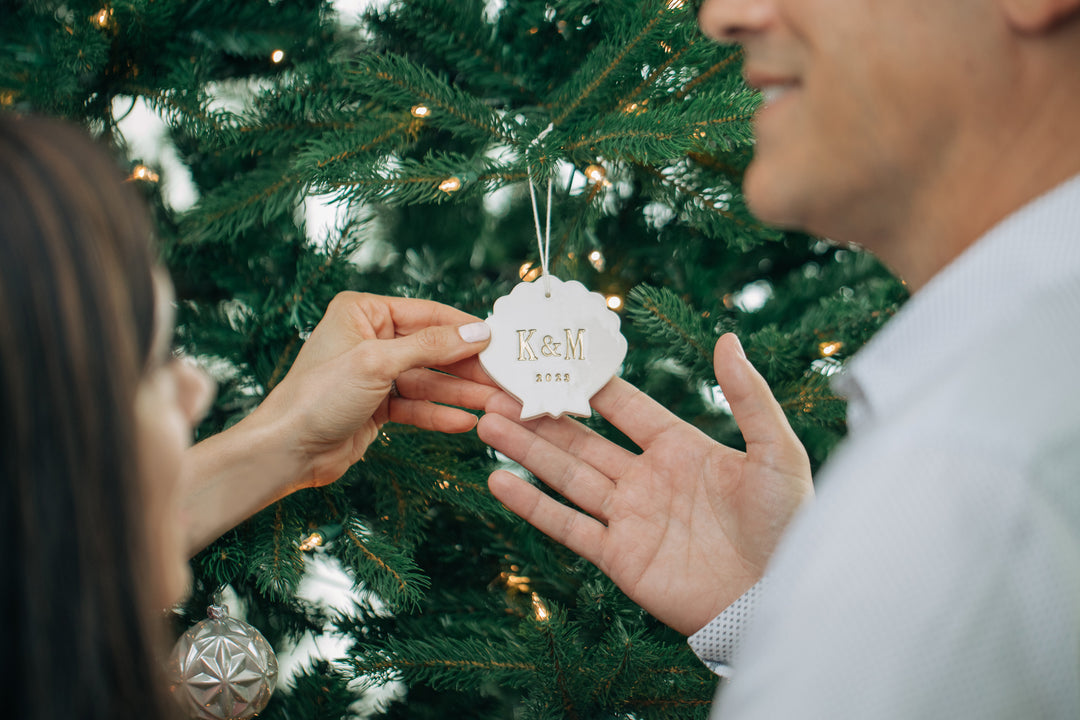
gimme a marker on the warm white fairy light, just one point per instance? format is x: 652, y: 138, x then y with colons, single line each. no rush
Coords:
x: 828, y: 349
x: 420, y: 111
x: 596, y: 258
x: 277, y: 56
x: 517, y: 583
x: 614, y: 302
x: 103, y: 17
x: 676, y: 4
x: 528, y: 273
x: 141, y: 172
x: 540, y: 611
x: 311, y: 542
x: 596, y: 173
x: 450, y: 185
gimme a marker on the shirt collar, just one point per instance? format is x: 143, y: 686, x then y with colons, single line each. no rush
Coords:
x: 1036, y: 246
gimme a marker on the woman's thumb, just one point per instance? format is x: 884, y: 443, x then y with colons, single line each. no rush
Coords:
x: 435, y: 346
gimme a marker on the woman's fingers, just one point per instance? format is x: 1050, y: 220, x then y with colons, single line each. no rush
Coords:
x: 574, y: 529
x: 423, y: 384
x: 420, y: 389
x: 429, y: 416
x: 390, y: 317
x: 429, y: 347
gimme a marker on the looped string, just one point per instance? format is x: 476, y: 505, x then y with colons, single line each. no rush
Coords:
x: 543, y: 238
x: 218, y: 610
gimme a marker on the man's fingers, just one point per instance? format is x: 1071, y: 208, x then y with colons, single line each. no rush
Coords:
x: 760, y: 418
x: 561, y: 523
x: 637, y: 415
x: 567, y: 434
x: 575, y: 480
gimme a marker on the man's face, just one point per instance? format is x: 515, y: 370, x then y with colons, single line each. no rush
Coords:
x: 864, y: 102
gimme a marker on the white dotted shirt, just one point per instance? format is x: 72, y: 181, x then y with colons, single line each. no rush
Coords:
x: 937, y: 574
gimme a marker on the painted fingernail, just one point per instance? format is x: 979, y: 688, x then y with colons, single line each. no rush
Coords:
x: 474, y: 332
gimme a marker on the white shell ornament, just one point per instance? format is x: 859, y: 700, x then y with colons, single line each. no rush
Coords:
x: 553, y: 352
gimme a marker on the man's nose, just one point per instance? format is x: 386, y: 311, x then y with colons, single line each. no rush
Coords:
x: 733, y: 20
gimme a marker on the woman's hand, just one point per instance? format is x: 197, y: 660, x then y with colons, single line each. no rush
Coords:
x: 338, y: 392
x: 321, y: 418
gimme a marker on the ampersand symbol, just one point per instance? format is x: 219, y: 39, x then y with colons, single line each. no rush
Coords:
x: 550, y: 349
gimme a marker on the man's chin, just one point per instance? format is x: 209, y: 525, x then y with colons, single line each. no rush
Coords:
x: 768, y: 205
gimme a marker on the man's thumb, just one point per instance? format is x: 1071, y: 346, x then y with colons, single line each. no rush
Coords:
x: 759, y: 416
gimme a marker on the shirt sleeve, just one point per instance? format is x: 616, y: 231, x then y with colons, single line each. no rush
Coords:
x: 717, y: 644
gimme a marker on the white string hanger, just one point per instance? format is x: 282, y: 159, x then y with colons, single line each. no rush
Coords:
x: 543, y: 238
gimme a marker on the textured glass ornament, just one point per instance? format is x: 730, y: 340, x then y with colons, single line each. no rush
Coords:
x: 222, y: 668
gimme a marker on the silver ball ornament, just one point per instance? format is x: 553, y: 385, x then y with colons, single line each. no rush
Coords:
x: 222, y: 668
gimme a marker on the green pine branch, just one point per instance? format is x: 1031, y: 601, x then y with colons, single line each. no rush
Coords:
x: 668, y: 321
x: 395, y: 80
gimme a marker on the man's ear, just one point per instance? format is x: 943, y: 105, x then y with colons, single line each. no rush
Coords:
x: 1038, y: 16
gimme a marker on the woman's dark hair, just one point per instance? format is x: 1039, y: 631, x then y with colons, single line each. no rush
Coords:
x: 76, y: 322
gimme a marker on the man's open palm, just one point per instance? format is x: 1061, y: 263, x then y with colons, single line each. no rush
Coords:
x: 684, y: 527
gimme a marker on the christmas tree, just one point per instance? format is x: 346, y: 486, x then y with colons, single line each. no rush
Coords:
x: 422, y: 122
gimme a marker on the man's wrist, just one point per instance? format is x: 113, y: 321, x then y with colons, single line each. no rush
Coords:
x: 718, y: 643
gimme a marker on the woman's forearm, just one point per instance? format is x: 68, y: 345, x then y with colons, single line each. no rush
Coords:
x: 232, y: 475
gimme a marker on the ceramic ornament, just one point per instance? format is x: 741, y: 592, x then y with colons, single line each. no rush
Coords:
x: 554, y: 344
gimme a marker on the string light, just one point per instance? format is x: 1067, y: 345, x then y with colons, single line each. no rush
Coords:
x: 676, y: 4
x: 596, y: 258
x: 320, y: 536
x: 277, y: 56
x: 141, y: 172
x: 540, y: 611
x: 517, y: 583
x: 828, y: 349
x: 420, y: 111
x: 666, y: 47
x: 104, y: 17
x: 614, y: 302
x: 311, y: 542
x: 528, y: 273
x: 450, y: 185
x: 596, y: 173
